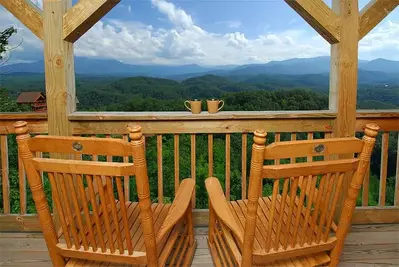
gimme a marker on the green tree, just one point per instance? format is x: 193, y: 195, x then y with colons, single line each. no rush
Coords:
x: 4, y: 36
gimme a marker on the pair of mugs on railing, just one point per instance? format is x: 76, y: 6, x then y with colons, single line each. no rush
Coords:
x: 195, y: 106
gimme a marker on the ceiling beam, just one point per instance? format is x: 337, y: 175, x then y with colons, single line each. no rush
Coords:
x: 82, y: 16
x: 27, y: 13
x: 319, y: 16
x: 373, y: 13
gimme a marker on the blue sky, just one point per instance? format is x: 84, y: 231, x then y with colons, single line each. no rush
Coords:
x: 205, y: 32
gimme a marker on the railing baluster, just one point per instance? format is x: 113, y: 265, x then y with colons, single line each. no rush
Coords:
x: 277, y: 138
x: 193, y: 163
x: 384, y: 167
x: 94, y: 157
x: 228, y: 145
x: 109, y: 158
x: 293, y: 138
x: 397, y: 176
x: 244, y: 166
x: 177, y: 157
x: 366, y: 184
x: 22, y: 185
x: 5, y: 173
x: 160, y: 171
x: 126, y: 179
x: 210, y: 155
x: 310, y: 137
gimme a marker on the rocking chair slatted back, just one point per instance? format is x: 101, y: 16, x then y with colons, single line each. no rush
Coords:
x: 301, y: 208
x: 89, y: 197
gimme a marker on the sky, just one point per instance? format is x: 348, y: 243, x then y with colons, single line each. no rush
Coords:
x: 203, y: 32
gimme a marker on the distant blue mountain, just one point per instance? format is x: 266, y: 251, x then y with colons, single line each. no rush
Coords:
x: 295, y: 66
x: 106, y: 67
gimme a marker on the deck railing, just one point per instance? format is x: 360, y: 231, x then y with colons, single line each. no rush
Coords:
x: 187, y: 134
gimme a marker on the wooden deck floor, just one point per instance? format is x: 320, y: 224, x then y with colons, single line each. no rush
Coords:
x: 366, y: 245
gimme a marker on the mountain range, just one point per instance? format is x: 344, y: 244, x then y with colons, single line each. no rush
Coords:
x: 297, y: 66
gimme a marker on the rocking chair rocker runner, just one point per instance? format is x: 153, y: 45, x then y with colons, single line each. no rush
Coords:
x: 98, y: 224
x: 294, y: 226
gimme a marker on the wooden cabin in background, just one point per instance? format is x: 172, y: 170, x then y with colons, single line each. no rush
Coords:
x: 37, y: 100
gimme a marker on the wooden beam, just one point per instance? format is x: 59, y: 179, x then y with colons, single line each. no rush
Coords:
x: 319, y: 16
x: 59, y: 66
x: 373, y: 13
x: 371, y: 215
x: 27, y: 13
x: 343, y: 77
x: 82, y: 16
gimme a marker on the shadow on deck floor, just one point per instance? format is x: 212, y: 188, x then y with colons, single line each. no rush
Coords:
x: 366, y: 245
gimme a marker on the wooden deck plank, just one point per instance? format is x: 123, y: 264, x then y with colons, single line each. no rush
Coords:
x: 367, y: 245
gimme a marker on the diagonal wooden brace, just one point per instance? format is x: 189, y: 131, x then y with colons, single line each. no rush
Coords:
x: 82, y: 16
x: 320, y: 17
x: 26, y: 12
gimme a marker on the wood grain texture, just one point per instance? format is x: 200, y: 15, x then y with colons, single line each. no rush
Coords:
x: 160, y: 169
x: 4, y: 174
x: 383, y: 169
x: 343, y: 76
x: 355, y: 184
x: 310, y: 232
x: 187, y: 116
x: 366, y: 245
x: 319, y: 16
x: 83, y: 15
x: 193, y: 165
x: 244, y: 147
x: 109, y: 221
x: 397, y: 176
x: 176, y: 161
x: 59, y: 69
x: 228, y: 170
x: 21, y: 184
x: 27, y: 13
x: 373, y: 13
x: 210, y: 155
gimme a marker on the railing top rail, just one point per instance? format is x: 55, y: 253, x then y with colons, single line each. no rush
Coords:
x: 177, y: 115
x: 23, y: 115
x: 377, y: 113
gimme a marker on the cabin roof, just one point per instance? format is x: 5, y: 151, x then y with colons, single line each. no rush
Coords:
x: 30, y: 97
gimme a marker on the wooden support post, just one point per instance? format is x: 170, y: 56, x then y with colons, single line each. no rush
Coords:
x: 59, y: 66
x: 60, y: 74
x: 343, y: 76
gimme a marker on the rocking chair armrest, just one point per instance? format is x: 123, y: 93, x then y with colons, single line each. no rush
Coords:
x: 221, y: 207
x: 179, y: 207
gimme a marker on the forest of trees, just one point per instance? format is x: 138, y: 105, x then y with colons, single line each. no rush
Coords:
x: 261, y: 92
x: 147, y: 98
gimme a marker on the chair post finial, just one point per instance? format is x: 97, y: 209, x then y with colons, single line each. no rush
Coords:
x: 260, y: 137
x: 136, y: 132
x: 21, y: 127
x: 371, y: 130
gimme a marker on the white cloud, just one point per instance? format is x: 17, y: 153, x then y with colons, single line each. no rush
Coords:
x: 187, y: 43
x: 129, y: 8
x: 176, y: 15
x: 232, y: 24
x: 383, y: 39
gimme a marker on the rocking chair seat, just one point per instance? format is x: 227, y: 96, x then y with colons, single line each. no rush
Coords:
x: 239, y: 211
x: 160, y: 212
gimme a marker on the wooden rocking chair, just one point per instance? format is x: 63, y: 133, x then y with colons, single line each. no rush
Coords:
x: 98, y: 226
x: 294, y: 226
